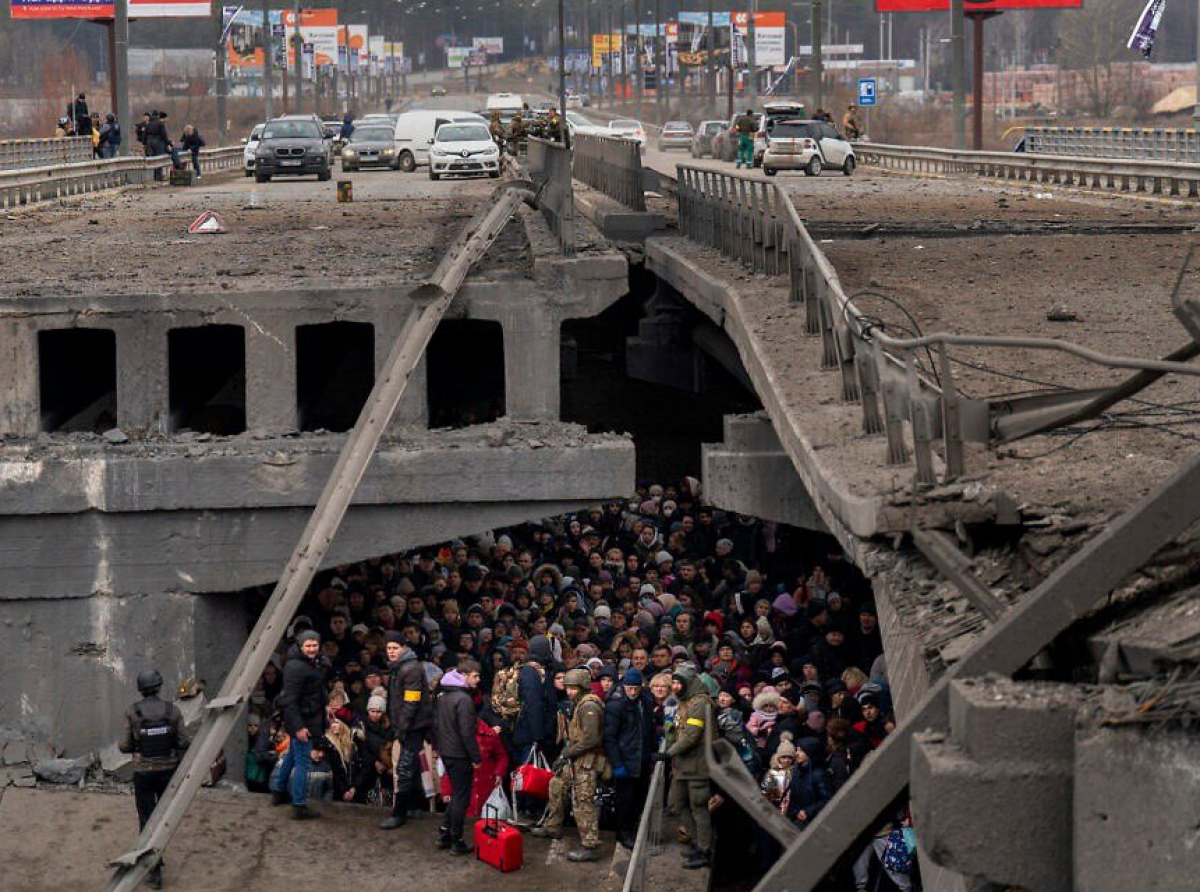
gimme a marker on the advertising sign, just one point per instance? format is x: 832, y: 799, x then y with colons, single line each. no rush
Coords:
x: 769, y: 30
x: 606, y: 45
x: 103, y: 9
x: 972, y: 5
x: 318, y: 30
x: 493, y: 46
x: 377, y: 48
x: 695, y: 42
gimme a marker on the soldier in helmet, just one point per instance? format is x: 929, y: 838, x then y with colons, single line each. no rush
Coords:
x: 578, y: 769
x: 689, y: 793
x: 155, y: 735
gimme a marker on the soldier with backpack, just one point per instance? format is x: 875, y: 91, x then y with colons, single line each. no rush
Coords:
x: 155, y: 735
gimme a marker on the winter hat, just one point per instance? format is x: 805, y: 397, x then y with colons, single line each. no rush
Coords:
x: 393, y: 638
x: 785, y: 605
x: 647, y: 590
x: 767, y: 698
x: 779, y: 674
x: 359, y: 627
x: 679, y: 651
x: 725, y: 545
x: 602, y: 611
x: 763, y: 625
x: 786, y: 747
x: 633, y: 677
x: 307, y: 635
x: 594, y: 663
x: 663, y: 557
x: 378, y: 701
x: 654, y: 609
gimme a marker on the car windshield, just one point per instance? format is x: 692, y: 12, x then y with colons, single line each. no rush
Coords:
x: 578, y: 120
x: 371, y: 134
x: 463, y: 133
x: 712, y: 127
x: 291, y: 130
x: 625, y: 125
x: 677, y: 125
x: 791, y: 130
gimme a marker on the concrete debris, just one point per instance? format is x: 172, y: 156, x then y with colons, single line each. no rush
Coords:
x: 1061, y: 313
x: 62, y: 771
x: 116, y: 764
x: 116, y: 435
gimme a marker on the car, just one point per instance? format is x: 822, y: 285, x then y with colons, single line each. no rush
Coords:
x: 249, y: 146
x: 702, y: 141
x: 725, y: 142
x: 463, y: 147
x: 505, y: 103
x: 372, y: 144
x: 574, y: 100
x: 675, y: 135
x: 772, y: 112
x: 415, y: 131
x: 627, y: 128
x: 437, y: 90
x: 578, y: 124
x: 292, y: 146
x: 810, y: 146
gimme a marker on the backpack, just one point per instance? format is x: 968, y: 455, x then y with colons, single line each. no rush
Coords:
x: 155, y: 735
x: 506, y: 690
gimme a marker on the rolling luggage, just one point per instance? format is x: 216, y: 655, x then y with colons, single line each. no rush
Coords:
x: 498, y: 843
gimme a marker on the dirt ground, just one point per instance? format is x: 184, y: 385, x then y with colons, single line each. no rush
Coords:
x: 282, y: 234
x: 51, y: 840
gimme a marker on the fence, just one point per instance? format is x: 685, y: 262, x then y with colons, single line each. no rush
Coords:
x: 549, y: 166
x: 649, y: 835
x: 898, y: 381
x: 1150, y: 144
x: 1123, y: 175
x: 17, y: 154
x: 48, y: 183
x: 613, y: 166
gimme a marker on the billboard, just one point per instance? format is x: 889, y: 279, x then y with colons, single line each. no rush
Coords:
x: 769, y: 30
x: 972, y: 5
x: 318, y: 30
x: 606, y: 45
x: 493, y: 46
x: 245, y: 40
x: 103, y: 9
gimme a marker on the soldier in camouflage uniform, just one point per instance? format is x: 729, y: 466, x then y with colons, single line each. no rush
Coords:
x: 578, y: 769
x: 689, y: 780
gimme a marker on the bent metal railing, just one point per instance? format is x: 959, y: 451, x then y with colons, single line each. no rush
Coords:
x: 35, y: 184
x: 649, y: 834
x: 1117, y: 174
x: 755, y: 222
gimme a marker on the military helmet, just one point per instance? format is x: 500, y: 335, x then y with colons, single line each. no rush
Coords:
x: 149, y: 681
x: 577, y: 678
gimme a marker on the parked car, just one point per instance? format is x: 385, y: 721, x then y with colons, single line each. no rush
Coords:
x: 372, y: 144
x: 249, y: 147
x: 772, y: 112
x: 702, y: 142
x: 810, y: 146
x: 293, y: 146
x: 627, y: 128
x: 577, y: 124
x: 415, y: 131
x: 675, y: 135
x: 463, y: 148
x: 725, y: 142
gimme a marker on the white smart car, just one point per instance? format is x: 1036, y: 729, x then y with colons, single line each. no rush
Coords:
x: 249, y: 147
x: 462, y: 149
x: 810, y: 146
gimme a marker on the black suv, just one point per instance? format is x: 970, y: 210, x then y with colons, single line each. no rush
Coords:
x: 292, y: 146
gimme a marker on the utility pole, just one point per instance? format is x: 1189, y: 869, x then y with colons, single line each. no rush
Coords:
x: 222, y: 85
x: 1196, y: 110
x: 662, y: 91
x: 298, y: 57
x: 638, y: 68
x: 624, y: 54
x: 958, y: 72
x: 268, y: 60
x: 818, y: 65
x: 562, y: 74
x: 711, y: 46
x: 751, y: 53
x: 119, y: 71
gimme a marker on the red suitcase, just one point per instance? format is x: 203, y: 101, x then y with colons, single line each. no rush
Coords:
x: 498, y: 844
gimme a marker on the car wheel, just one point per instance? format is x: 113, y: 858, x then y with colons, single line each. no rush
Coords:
x: 813, y: 167
x: 261, y: 177
x: 434, y: 176
x: 347, y: 168
x: 494, y: 174
x: 248, y: 173
x: 407, y: 162
x: 769, y: 171
x: 848, y: 165
x: 324, y: 176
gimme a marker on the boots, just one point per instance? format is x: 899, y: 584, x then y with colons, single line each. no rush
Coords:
x: 443, y: 840
x: 393, y: 822
x: 696, y: 859
x: 458, y: 847
x: 303, y: 813
x: 583, y: 853
x: 281, y: 798
x: 546, y: 832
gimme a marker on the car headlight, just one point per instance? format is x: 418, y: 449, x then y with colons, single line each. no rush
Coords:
x: 438, y: 153
x: 348, y: 152
x: 388, y: 152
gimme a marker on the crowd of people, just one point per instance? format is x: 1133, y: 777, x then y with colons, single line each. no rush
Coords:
x: 151, y: 133
x: 544, y: 669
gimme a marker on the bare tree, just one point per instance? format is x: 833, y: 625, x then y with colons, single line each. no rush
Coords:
x: 1092, y: 42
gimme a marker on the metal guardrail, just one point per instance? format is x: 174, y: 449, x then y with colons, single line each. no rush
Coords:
x: 611, y: 165
x: 16, y: 154
x: 1123, y: 175
x: 756, y: 223
x: 48, y: 183
x: 648, y: 842
x: 1151, y: 144
x: 549, y: 165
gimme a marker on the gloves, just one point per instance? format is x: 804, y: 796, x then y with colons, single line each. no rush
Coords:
x: 620, y: 771
x: 559, y: 764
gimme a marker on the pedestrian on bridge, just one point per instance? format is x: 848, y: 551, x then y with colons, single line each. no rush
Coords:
x: 110, y: 137
x: 191, y: 141
x: 746, y: 126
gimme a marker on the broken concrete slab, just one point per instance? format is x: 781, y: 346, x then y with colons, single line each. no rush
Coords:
x: 62, y: 771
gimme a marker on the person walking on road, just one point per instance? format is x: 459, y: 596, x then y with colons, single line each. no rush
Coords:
x: 746, y: 126
x: 410, y: 711
x: 155, y: 735
x: 454, y: 737
x: 302, y: 702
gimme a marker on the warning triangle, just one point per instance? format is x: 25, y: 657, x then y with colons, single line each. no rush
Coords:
x: 208, y: 223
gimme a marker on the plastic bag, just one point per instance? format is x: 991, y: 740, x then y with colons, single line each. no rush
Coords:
x: 498, y: 800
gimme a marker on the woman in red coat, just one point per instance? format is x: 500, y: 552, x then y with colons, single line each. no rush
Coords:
x: 494, y: 766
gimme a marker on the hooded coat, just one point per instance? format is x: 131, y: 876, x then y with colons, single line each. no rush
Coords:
x: 810, y: 790
x: 454, y: 720
x: 537, y: 721
x: 689, y: 760
x: 629, y: 731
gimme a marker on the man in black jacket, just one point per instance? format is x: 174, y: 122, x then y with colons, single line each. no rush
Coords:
x: 629, y: 735
x: 410, y: 711
x: 454, y: 737
x: 302, y: 702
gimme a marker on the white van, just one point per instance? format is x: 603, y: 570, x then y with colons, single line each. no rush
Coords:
x: 504, y: 102
x: 415, y: 131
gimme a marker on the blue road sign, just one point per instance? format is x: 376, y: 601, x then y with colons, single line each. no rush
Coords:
x: 866, y: 91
